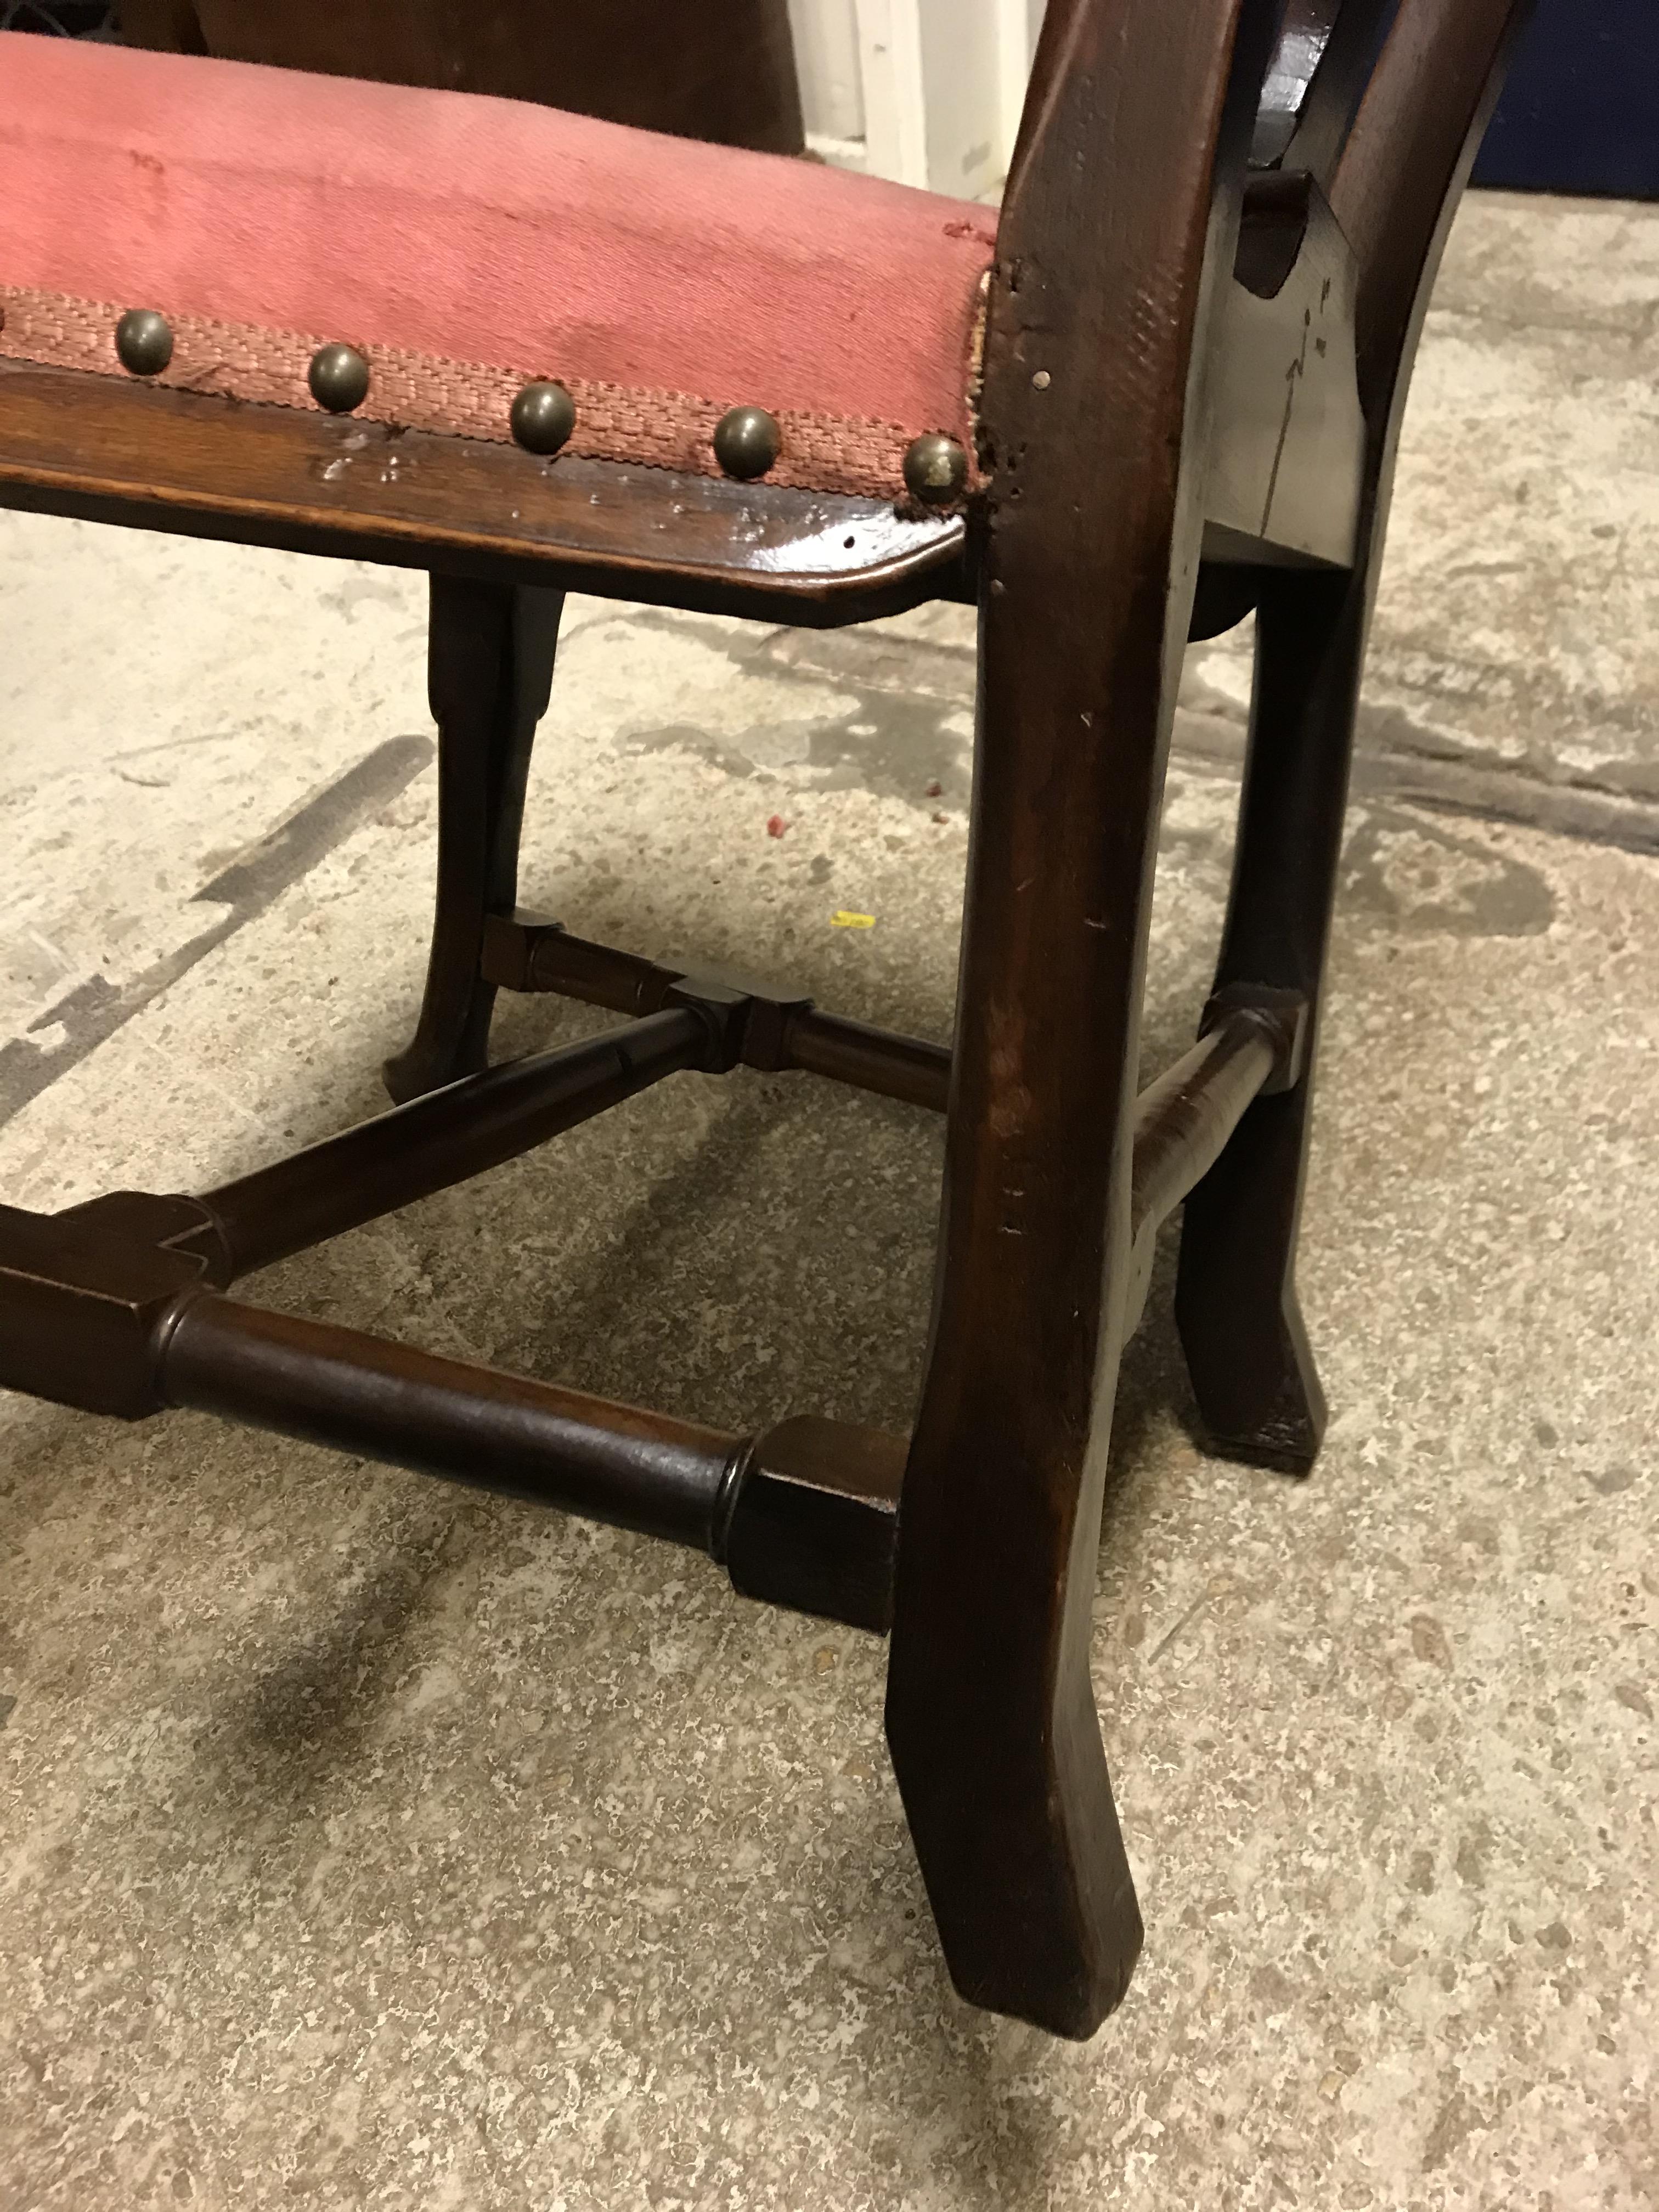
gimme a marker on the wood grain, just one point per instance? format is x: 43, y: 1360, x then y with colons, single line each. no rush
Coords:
x: 1118, y: 241
x: 113, y: 451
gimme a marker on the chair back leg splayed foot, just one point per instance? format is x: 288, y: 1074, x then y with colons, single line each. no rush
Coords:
x: 1162, y: 392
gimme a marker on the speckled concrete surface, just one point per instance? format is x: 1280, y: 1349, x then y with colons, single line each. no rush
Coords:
x: 1514, y: 660
x: 364, y: 1843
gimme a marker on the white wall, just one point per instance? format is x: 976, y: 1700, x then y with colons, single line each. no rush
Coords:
x: 831, y: 81
x: 927, y: 92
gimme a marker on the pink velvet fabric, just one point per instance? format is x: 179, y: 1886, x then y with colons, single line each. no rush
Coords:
x: 484, y: 230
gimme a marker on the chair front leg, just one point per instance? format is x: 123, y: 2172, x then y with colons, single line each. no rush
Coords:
x: 1117, y: 233
x: 490, y: 656
x: 990, y: 1708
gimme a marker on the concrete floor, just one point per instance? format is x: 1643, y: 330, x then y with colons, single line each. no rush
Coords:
x: 364, y: 1843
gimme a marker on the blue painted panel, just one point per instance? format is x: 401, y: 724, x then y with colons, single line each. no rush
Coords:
x: 1580, y: 112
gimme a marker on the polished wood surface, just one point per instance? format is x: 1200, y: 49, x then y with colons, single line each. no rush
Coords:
x: 204, y: 467
x: 451, y: 1418
x: 521, y: 954
x: 106, y: 1306
x: 1147, y: 404
x: 107, y: 450
x: 725, y: 73
x: 1397, y: 183
x: 1326, y: 51
x: 804, y: 1515
x: 815, y: 1525
x: 1079, y: 657
x: 1118, y: 241
x: 112, y: 1308
x: 431, y: 1142
x: 490, y: 649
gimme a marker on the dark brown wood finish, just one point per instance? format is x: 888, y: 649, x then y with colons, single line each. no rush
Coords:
x: 803, y: 1516
x: 814, y: 1525
x: 726, y: 73
x: 470, y: 1125
x: 1241, y: 1321
x: 451, y: 1418
x: 1326, y: 54
x: 114, y: 452
x: 1185, y: 1119
x: 111, y: 1307
x: 1151, y: 400
x: 108, y: 1308
x: 489, y: 671
x: 1117, y: 237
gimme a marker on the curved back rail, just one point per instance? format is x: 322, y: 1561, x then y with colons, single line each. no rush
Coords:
x: 1394, y: 190
x: 1397, y: 187
x: 1327, y: 51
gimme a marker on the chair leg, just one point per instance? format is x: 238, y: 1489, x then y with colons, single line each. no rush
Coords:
x: 1236, y: 1302
x: 990, y: 1708
x: 1091, y: 556
x: 489, y: 673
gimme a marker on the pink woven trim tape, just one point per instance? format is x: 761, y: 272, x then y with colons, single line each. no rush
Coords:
x: 462, y: 399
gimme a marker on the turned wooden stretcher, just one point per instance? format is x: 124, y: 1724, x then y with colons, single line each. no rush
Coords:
x: 534, y: 353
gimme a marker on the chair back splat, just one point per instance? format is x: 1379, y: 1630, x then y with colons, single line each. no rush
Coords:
x: 535, y: 351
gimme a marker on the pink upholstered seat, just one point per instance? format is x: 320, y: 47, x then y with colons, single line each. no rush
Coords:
x: 466, y: 246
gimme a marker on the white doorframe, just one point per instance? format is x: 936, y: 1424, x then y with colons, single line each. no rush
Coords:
x: 926, y: 92
x: 895, y: 90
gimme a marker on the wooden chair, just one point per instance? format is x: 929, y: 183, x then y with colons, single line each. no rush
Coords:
x: 1165, y: 391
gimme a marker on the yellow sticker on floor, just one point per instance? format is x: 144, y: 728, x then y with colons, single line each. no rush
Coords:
x: 844, y: 919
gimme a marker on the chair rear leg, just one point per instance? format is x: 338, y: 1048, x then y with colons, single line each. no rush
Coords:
x: 490, y: 656
x: 1394, y: 189
x: 1235, y: 1299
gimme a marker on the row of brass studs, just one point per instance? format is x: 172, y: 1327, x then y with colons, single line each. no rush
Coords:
x: 747, y: 440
